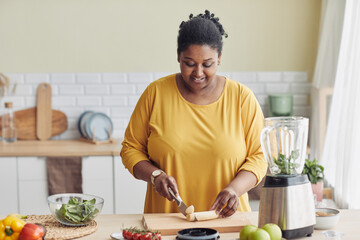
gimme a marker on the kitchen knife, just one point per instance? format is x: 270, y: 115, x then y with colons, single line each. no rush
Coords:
x: 181, y: 205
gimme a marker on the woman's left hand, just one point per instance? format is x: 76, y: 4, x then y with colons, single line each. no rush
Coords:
x: 226, y: 203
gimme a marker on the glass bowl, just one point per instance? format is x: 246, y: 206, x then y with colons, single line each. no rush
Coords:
x: 326, y: 218
x: 75, y: 209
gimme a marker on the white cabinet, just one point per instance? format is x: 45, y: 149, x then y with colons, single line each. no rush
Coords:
x: 8, y: 185
x: 97, y: 174
x: 23, y: 183
x: 129, y: 192
x: 24, y: 180
x: 32, y: 180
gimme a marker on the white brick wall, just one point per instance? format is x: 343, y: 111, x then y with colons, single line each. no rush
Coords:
x: 116, y: 94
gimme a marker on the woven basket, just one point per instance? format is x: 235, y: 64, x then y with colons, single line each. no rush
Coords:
x: 58, y: 231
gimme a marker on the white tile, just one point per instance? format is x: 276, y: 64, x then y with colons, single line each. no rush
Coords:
x: 114, y: 77
x: 62, y: 78
x: 105, y: 110
x: 15, y: 77
x: 256, y: 87
x: 262, y: 99
x: 304, y: 88
x: 88, y: 101
x: 118, y: 133
x: 71, y: 89
x: 60, y: 101
x: 120, y: 123
x: 88, y: 78
x: 158, y: 75
x: 70, y: 134
x: 126, y: 89
x: 24, y: 90
x: 295, y: 76
x: 140, y: 77
x: 140, y: 88
x: 115, y: 101
x: 97, y: 89
x: 269, y: 76
x: 72, y: 124
x: 133, y: 100
x: 37, y: 78
x: 224, y: 74
x: 244, y: 77
x: 301, y: 100
x: 54, y: 90
x: 31, y: 101
x: 277, y: 88
x: 18, y: 101
x: 121, y: 112
x: 72, y: 112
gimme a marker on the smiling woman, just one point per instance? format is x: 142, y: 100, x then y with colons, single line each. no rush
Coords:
x: 196, y: 132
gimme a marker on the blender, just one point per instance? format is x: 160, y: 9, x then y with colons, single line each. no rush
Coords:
x: 286, y: 198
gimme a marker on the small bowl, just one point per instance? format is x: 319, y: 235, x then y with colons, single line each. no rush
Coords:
x: 81, y: 210
x: 326, y: 218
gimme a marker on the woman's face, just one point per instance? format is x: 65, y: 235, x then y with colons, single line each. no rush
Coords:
x: 198, y: 65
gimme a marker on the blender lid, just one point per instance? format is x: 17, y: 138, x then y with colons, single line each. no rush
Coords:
x: 198, y: 233
x: 285, y: 180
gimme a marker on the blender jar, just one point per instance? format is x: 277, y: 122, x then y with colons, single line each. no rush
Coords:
x: 284, y: 143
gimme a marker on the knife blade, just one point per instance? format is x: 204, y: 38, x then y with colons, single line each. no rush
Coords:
x: 181, y: 205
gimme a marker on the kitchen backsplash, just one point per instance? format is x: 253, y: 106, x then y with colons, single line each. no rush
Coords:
x: 116, y: 94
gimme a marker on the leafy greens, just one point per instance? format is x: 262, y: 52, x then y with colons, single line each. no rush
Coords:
x: 288, y: 165
x: 77, y: 212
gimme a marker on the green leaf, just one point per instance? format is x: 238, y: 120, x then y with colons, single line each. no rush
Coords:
x: 77, y: 212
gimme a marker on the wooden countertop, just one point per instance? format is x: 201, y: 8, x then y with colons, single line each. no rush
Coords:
x: 52, y: 148
x: 107, y: 224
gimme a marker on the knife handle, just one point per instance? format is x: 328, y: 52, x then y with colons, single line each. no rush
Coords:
x: 177, y: 199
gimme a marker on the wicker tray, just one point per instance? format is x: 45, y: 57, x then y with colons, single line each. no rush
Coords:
x: 58, y: 231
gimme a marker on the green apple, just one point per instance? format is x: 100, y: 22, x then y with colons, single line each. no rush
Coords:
x: 259, y: 234
x: 273, y: 230
x: 246, y: 230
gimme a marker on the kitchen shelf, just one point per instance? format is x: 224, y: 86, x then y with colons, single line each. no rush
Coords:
x: 52, y: 148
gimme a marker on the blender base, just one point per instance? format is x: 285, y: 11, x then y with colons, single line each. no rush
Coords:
x: 297, y: 233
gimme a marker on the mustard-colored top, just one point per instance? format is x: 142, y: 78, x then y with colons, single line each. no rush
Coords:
x: 202, y: 146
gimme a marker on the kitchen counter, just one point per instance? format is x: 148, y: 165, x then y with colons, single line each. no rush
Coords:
x: 107, y: 224
x: 52, y: 148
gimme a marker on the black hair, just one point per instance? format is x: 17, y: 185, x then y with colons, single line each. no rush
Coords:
x: 203, y: 29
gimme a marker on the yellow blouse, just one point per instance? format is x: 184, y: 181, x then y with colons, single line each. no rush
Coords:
x: 202, y: 146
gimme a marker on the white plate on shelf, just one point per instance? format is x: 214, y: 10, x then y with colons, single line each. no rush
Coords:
x: 99, y: 126
x: 81, y: 122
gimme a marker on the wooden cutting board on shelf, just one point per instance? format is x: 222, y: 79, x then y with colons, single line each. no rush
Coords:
x: 26, y: 123
x: 43, y: 111
x: 171, y: 223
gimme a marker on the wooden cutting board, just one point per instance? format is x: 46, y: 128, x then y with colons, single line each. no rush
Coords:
x: 43, y: 111
x: 171, y: 223
x: 26, y: 123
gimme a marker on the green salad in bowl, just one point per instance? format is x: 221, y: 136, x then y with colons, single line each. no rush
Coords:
x: 75, y: 209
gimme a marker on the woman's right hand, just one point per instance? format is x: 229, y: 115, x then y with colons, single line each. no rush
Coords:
x: 162, y: 183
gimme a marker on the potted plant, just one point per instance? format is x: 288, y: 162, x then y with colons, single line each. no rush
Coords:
x: 315, y: 173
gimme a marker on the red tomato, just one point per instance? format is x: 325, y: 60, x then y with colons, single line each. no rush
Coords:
x: 124, y: 233
x: 136, y: 236
x: 157, y: 235
x: 129, y: 235
x: 32, y: 232
x: 146, y: 236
